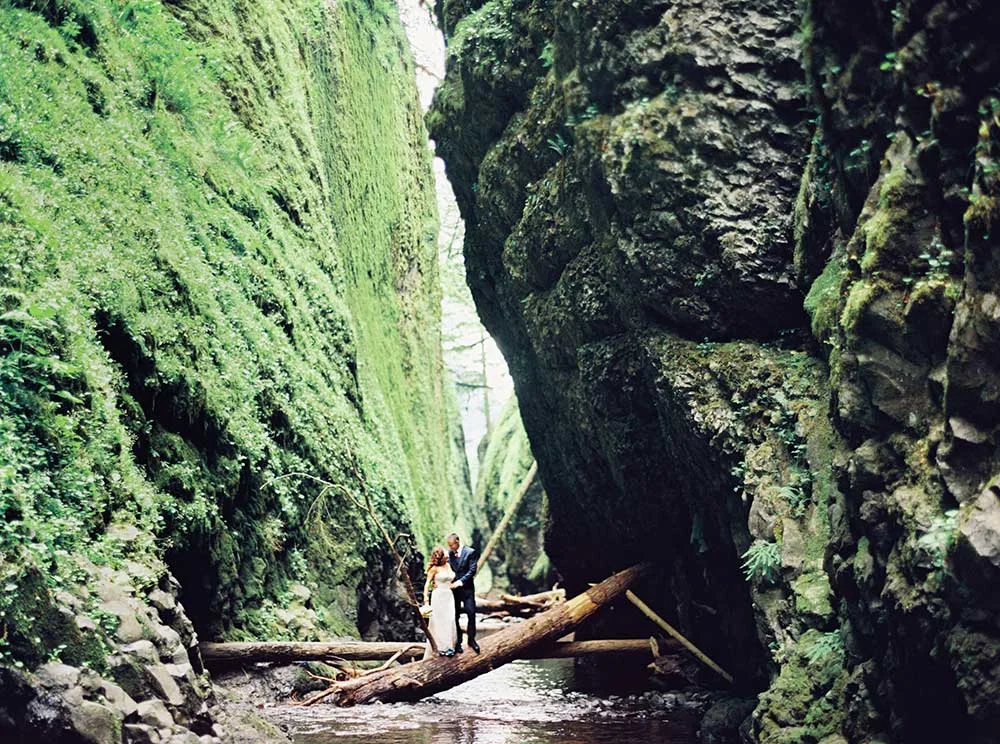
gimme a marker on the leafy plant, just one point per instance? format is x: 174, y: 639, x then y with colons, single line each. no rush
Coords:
x: 558, y: 143
x: 939, y: 538
x: 891, y: 62
x: 858, y: 157
x: 824, y: 645
x: 937, y: 259
x: 586, y: 115
x: 762, y: 560
x: 796, y: 498
x: 548, y: 55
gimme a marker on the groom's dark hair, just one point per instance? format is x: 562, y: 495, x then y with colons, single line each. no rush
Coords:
x: 454, y: 536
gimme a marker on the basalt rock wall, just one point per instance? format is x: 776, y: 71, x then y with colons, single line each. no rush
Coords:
x: 739, y: 258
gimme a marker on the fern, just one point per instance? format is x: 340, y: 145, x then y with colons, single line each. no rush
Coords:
x: 762, y: 560
x: 824, y: 645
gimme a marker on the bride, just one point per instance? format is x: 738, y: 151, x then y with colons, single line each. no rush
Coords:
x: 442, y: 603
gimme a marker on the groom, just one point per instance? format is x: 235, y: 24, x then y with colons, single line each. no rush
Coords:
x: 464, y: 562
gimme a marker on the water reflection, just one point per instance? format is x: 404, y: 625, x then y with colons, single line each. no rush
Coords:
x: 520, y: 703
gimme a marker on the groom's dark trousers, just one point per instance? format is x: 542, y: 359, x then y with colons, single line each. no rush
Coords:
x: 464, y: 564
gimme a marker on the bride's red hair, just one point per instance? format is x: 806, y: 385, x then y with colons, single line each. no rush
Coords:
x: 437, y: 558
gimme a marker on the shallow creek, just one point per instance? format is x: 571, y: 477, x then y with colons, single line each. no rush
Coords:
x: 525, y: 702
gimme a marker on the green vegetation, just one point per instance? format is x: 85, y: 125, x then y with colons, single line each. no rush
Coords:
x: 218, y: 267
x: 762, y: 560
x: 505, y: 463
x: 804, y: 702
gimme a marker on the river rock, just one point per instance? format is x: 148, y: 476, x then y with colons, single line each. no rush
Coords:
x: 154, y: 713
x: 143, y: 650
x: 97, y: 724
x: 55, y: 675
x: 163, y: 681
x: 142, y: 733
x: 168, y: 643
x: 162, y: 601
x: 118, y: 698
x: 977, y: 553
x: 129, y: 628
x: 721, y: 723
x: 184, y: 737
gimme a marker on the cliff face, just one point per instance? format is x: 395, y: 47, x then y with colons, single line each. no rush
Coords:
x: 218, y: 273
x: 519, y: 562
x: 738, y: 256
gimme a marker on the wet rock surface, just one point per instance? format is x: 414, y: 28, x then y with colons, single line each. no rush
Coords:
x: 740, y: 258
x: 142, y: 693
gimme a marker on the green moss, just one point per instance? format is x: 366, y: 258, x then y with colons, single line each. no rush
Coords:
x: 219, y: 268
x: 805, y: 702
x: 859, y: 296
x: 812, y: 594
x: 505, y: 464
x: 823, y: 300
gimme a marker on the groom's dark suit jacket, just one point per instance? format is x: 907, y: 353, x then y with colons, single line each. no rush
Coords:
x: 464, y: 565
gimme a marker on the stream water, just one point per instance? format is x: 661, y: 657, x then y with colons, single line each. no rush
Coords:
x: 525, y: 702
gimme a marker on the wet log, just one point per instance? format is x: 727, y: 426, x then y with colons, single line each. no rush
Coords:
x: 218, y: 655
x: 572, y: 649
x: 424, y: 678
x: 223, y: 654
x: 521, y: 605
x: 552, y: 596
x: 646, y: 610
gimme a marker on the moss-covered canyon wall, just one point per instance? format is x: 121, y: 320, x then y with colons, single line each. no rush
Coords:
x: 739, y: 256
x: 519, y: 562
x: 217, y: 269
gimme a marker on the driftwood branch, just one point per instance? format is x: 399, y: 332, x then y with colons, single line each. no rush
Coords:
x: 701, y: 656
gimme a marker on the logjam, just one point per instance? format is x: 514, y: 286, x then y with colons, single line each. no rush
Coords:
x: 516, y: 605
x: 423, y: 678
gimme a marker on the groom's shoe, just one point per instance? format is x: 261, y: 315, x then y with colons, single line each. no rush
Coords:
x: 474, y: 646
x: 459, y: 649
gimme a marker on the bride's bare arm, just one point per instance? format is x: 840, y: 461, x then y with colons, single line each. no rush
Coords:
x: 427, y: 584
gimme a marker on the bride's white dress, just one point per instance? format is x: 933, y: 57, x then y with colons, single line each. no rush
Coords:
x: 442, y: 620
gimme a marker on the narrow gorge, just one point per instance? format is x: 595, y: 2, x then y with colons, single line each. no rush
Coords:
x: 738, y: 257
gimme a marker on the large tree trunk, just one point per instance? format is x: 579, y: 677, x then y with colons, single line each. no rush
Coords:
x: 423, y: 678
x: 219, y: 655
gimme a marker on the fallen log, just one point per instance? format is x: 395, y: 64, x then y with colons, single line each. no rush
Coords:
x: 228, y: 654
x: 552, y: 596
x: 521, y: 605
x: 571, y: 649
x: 222, y: 654
x: 424, y: 678
x: 508, y: 514
x: 646, y: 610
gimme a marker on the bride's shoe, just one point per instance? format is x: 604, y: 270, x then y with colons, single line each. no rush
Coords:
x: 447, y: 652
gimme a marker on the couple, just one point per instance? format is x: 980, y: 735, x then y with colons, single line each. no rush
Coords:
x: 452, y: 575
